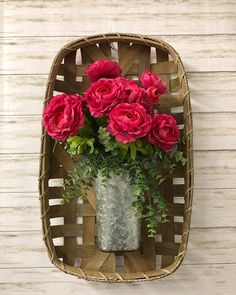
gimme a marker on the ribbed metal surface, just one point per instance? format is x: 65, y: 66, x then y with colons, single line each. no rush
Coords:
x: 117, y: 225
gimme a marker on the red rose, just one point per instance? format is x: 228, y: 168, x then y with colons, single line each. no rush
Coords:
x: 63, y: 116
x: 132, y: 92
x: 149, y: 79
x: 164, y: 132
x: 103, y: 69
x: 102, y: 96
x: 153, y: 95
x: 128, y: 122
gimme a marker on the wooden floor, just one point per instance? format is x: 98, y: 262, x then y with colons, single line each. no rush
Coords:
x: 204, y: 34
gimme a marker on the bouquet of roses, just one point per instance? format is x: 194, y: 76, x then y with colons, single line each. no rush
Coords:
x: 115, y: 127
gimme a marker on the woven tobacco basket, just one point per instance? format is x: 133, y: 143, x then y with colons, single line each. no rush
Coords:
x: 71, y: 243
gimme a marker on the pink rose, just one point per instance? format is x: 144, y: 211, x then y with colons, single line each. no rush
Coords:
x: 63, y: 116
x: 128, y: 122
x: 152, y: 95
x: 164, y: 132
x: 102, y: 96
x: 103, y: 69
x: 132, y: 92
x: 149, y: 79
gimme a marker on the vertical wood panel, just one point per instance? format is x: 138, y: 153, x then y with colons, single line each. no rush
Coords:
x: 70, y: 209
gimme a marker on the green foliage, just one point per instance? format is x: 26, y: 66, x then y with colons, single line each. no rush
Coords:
x: 80, y: 180
x: 145, y: 164
x: 106, y: 140
x: 77, y: 145
x: 124, y: 151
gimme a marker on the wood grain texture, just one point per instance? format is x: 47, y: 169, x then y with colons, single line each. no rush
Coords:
x: 211, y: 208
x: 217, y: 279
x: 206, y: 246
x: 34, y: 55
x: 206, y: 93
x: 190, y: 26
x: 208, y: 133
x: 44, y: 17
x: 21, y: 100
x: 213, y: 169
x: 214, y: 131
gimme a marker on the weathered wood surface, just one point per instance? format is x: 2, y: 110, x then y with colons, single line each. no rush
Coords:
x: 34, y: 55
x: 206, y: 246
x: 211, y: 208
x: 213, y: 169
x: 203, y: 32
x: 217, y: 279
x: 208, y: 133
x: 206, y: 93
x: 145, y: 17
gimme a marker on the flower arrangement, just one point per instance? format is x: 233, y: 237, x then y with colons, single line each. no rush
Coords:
x: 115, y: 127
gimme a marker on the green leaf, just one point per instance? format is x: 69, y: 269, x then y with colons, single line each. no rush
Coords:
x: 139, y: 143
x: 178, y: 156
x: 122, y: 153
x: 78, y: 145
x: 133, y: 151
x: 85, y: 132
x: 136, y: 190
x: 183, y: 161
x: 101, y: 122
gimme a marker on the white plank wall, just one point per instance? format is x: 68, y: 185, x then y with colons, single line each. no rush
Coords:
x: 204, y: 34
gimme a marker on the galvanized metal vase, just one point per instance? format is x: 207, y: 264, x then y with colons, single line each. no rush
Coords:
x: 118, y: 227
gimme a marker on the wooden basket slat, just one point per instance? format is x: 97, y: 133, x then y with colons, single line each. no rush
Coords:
x: 161, y: 68
x: 167, y: 229
x: 162, y: 59
x: 96, y: 261
x: 82, y: 251
x: 135, y: 54
x: 129, y: 57
x: 106, y: 50
x: 178, y: 190
x: 110, y: 264
x: 94, y: 52
x: 70, y: 88
x: 148, y: 247
x: 179, y: 117
x: 55, y: 192
x: 82, y: 210
x: 88, y: 235
x: 174, y: 84
x: 167, y: 250
x: 123, y: 47
x: 178, y: 228
x: 66, y: 230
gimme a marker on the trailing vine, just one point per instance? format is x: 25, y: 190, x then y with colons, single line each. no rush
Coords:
x: 146, y: 173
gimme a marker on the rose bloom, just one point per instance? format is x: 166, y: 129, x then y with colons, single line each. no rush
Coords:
x: 102, y: 96
x: 63, y: 116
x: 128, y: 122
x: 149, y: 79
x: 152, y: 95
x: 164, y: 132
x: 132, y: 92
x: 103, y: 69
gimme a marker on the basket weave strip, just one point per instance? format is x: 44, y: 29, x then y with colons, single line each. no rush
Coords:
x: 77, y: 252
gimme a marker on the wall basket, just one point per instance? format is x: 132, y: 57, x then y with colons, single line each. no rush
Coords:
x: 71, y: 242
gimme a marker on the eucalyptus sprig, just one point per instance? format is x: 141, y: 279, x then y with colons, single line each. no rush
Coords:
x: 145, y: 173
